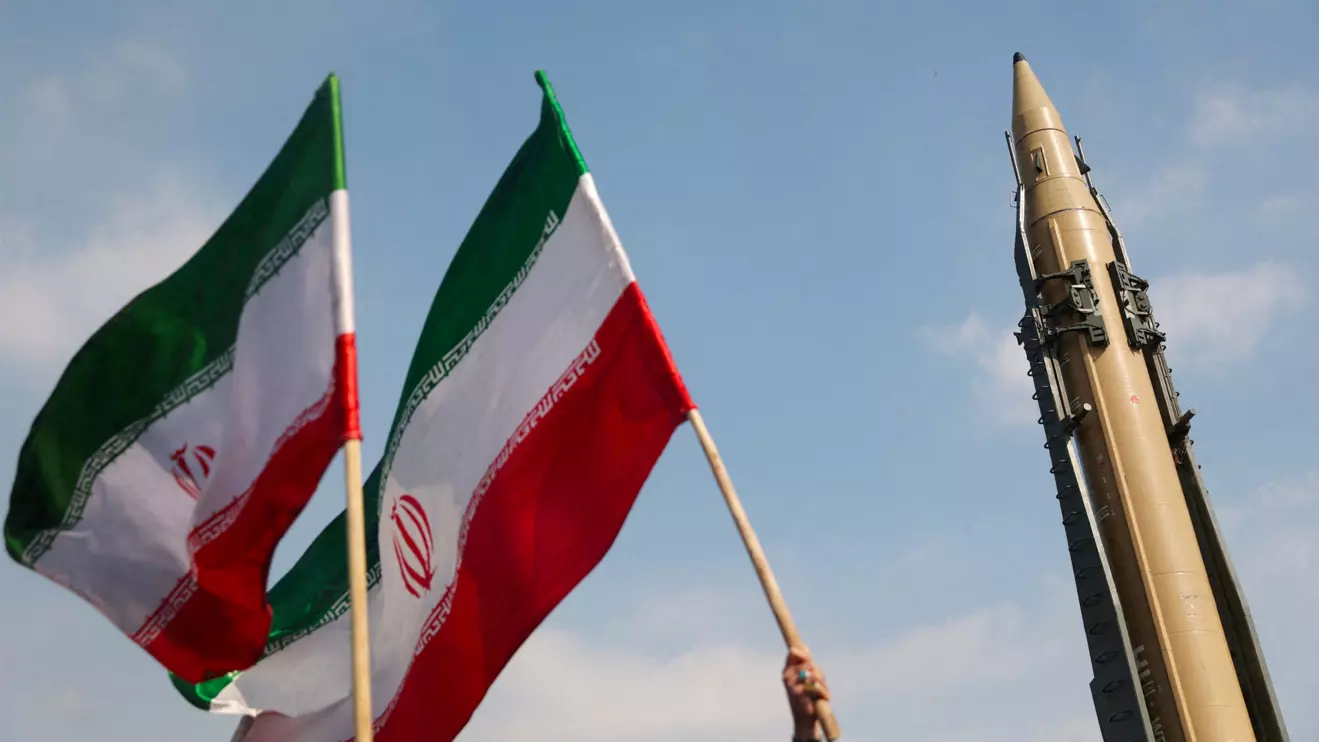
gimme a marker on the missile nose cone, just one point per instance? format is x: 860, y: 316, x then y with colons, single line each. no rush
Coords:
x: 1031, y: 107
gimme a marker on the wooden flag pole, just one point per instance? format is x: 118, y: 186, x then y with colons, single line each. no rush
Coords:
x: 356, y: 524
x: 776, y: 602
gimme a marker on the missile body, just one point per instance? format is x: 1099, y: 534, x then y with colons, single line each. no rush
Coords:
x: 1172, y: 646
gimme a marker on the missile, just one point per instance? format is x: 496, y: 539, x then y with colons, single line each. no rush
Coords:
x: 1172, y: 645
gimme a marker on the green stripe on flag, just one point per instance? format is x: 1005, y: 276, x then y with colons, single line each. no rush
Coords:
x: 496, y: 255
x: 173, y: 340
x: 491, y: 263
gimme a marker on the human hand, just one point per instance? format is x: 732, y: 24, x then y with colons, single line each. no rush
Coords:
x: 804, y: 683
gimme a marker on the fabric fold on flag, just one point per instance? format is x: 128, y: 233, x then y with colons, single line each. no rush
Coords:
x: 539, y: 398
x: 190, y: 430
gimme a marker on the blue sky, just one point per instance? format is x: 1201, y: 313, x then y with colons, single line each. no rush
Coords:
x: 815, y: 197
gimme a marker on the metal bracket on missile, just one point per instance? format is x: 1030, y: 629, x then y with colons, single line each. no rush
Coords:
x: 1137, y: 314
x: 1178, y: 431
x: 1080, y: 161
x: 1074, y: 420
x: 1081, y: 299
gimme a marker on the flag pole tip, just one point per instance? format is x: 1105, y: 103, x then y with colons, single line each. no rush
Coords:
x: 331, y: 85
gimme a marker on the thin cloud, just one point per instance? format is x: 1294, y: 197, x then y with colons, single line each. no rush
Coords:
x: 998, y: 365
x: 67, y: 265
x: 1210, y: 318
x: 49, y: 98
x: 113, y: 81
x: 1220, y: 120
x: 986, y: 645
x: 562, y: 687
x: 130, y: 63
x: 1290, y: 205
x: 1173, y: 190
x: 1243, y: 116
x: 565, y: 686
x: 58, y: 298
x: 1273, y: 537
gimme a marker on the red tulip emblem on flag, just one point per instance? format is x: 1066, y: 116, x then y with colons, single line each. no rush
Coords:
x: 192, y: 467
x: 413, y: 545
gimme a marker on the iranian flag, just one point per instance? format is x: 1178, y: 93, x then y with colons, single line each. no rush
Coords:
x: 190, y: 430
x: 539, y: 398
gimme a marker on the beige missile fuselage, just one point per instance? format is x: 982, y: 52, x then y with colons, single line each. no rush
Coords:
x: 1187, y: 674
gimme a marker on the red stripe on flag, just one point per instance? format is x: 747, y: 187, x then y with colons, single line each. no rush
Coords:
x: 216, y: 619
x: 548, y: 518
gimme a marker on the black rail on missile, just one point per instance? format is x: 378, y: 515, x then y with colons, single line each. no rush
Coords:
x: 1234, y: 612
x: 1120, y: 709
